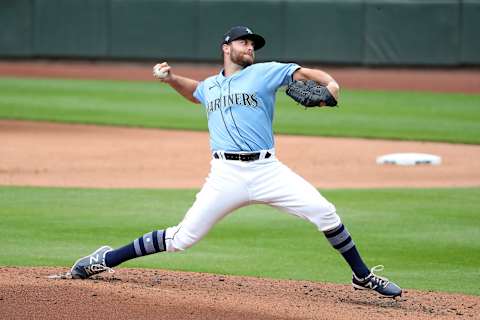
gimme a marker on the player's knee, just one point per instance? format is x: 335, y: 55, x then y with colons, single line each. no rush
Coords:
x: 324, y: 216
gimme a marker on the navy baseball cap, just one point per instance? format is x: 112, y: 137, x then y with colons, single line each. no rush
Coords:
x: 241, y: 32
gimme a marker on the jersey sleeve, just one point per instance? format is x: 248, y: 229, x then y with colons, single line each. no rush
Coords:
x: 280, y: 74
x: 199, y: 92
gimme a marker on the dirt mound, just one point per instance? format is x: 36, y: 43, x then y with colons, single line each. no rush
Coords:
x: 27, y: 293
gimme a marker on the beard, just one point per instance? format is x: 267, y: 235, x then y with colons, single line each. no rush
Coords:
x: 241, y: 59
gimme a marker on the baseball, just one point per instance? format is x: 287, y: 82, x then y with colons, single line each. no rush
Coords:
x: 158, y: 73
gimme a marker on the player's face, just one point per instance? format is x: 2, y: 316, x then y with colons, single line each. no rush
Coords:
x: 241, y: 52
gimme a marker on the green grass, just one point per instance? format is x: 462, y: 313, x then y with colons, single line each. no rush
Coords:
x: 370, y: 114
x: 426, y: 238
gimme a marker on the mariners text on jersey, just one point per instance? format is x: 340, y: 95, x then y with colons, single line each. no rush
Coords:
x: 234, y: 99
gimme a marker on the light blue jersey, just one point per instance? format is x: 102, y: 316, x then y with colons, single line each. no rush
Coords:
x: 240, y: 108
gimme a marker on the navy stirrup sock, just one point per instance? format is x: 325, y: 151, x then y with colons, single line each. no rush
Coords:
x: 341, y: 240
x: 115, y: 257
x: 149, y: 243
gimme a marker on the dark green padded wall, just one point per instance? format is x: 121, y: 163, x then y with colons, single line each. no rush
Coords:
x: 470, y: 41
x: 412, y: 32
x: 16, y: 18
x: 361, y: 32
x: 153, y: 29
x: 327, y: 31
x: 72, y: 28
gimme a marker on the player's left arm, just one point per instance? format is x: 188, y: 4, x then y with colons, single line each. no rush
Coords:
x: 319, y: 76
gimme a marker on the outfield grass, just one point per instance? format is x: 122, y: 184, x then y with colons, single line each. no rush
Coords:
x: 426, y: 238
x: 369, y: 114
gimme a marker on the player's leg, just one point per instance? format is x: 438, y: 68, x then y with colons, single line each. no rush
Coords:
x: 282, y: 188
x: 212, y: 204
x: 223, y: 192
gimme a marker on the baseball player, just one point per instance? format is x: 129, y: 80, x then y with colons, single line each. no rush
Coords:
x: 239, y: 103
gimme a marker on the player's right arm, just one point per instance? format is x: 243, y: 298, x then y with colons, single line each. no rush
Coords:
x: 183, y: 85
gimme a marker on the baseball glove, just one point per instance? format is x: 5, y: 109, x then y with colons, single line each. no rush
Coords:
x: 310, y: 94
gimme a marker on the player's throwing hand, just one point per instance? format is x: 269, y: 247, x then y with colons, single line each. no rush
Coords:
x: 161, y: 71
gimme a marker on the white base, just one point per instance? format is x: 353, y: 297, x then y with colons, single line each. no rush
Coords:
x: 409, y: 159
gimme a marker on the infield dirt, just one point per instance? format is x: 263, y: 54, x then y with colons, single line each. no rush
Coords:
x: 64, y: 155
x: 46, y: 154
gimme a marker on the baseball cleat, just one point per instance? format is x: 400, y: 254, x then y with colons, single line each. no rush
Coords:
x: 90, y: 265
x: 376, y: 283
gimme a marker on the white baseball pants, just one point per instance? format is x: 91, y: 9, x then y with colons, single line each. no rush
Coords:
x: 233, y: 184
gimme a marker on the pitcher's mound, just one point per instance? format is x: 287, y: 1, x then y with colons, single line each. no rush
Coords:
x: 28, y: 293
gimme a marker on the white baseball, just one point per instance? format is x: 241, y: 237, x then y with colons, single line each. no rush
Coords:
x: 158, y: 73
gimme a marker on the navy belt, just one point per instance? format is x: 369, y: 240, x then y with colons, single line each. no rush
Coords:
x: 250, y: 156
